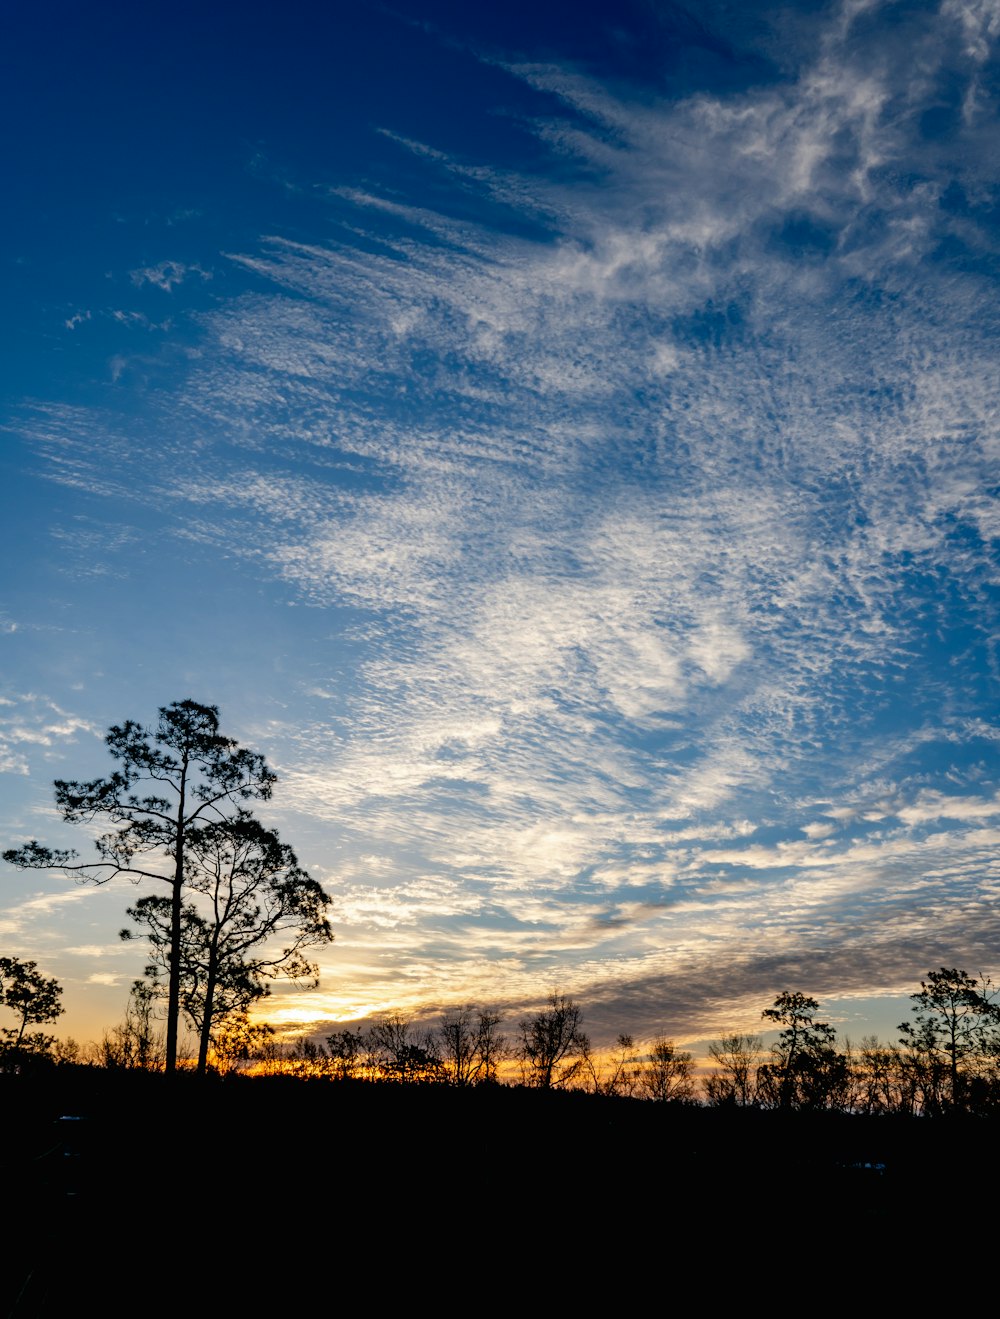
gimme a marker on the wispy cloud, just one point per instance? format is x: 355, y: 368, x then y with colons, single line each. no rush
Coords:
x: 31, y: 720
x: 166, y: 275
x: 654, y: 526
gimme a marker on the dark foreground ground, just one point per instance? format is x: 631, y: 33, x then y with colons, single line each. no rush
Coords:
x: 133, y: 1194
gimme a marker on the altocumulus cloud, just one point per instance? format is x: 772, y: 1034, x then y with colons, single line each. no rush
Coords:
x: 656, y: 488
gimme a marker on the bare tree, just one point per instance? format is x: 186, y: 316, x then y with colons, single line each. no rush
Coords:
x: 306, y: 1057
x: 471, y: 1045
x: 492, y: 1046
x: 398, y: 1052
x: 346, y: 1051
x: 553, y: 1045
x: 614, y: 1073
x: 241, y: 1044
x: 457, y: 1043
x: 884, y: 1081
x: 668, y: 1074
x: 135, y: 1042
x: 734, y: 1080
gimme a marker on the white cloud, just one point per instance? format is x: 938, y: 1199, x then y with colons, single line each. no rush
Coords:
x: 640, y: 517
x: 166, y: 275
x: 932, y: 805
x: 31, y: 720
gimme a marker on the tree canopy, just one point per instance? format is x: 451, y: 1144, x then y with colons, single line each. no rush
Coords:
x: 806, y: 1070
x: 33, y: 999
x: 955, y: 1017
x: 246, y: 890
x: 553, y: 1043
x: 172, y: 783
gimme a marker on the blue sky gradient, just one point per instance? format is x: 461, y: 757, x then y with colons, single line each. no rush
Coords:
x: 565, y: 445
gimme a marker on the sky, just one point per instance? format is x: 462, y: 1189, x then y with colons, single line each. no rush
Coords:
x: 563, y: 439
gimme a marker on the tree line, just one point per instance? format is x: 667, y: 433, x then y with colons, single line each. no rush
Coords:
x: 238, y: 911
x: 946, y: 1059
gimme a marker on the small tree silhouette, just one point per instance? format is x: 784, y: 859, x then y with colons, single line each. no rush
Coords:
x: 471, y: 1045
x: 734, y: 1081
x: 955, y: 1017
x: 398, y: 1053
x: 668, y: 1074
x: 34, y: 1000
x: 553, y: 1045
x: 806, y: 1071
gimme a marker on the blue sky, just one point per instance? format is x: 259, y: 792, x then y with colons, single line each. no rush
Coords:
x: 564, y: 441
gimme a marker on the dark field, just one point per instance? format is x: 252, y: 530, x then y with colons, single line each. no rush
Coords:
x: 139, y: 1194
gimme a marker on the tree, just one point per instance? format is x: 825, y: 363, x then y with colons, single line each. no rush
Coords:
x: 397, y: 1054
x: 806, y: 1071
x: 553, y: 1045
x: 954, y: 1012
x: 246, y: 890
x: 734, y: 1081
x: 471, y: 1045
x: 616, y: 1073
x: 33, y: 999
x: 346, y: 1050
x: 170, y: 782
x: 457, y: 1043
x: 241, y: 1042
x: 667, y: 1075
x: 492, y: 1046
x: 135, y: 1043
x: 884, y: 1079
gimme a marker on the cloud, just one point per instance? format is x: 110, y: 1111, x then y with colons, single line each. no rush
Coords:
x: 24, y: 918
x: 166, y: 275
x: 137, y: 319
x: 656, y: 499
x: 933, y: 805
x: 31, y: 720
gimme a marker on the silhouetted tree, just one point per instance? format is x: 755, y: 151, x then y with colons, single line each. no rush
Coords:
x: 667, y: 1075
x: 734, y: 1080
x: 241, y: 1042
x: 955, y: 1018
x: 170, y: 782
x: 34, y: 1000
x: 471, y: 1045
x: 492, y: 1046
x: 884, y: 1079
x: 614, y: 1073
x: 136, y: 1042
x: 68, y: 1052
x: 806, y: 1070
x: 457, y: 1043
x: 552, y: 1045
x: 250, y: 892
x: 306, y: 1057
x: 346, y: 1050
x: 399, y: 1053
